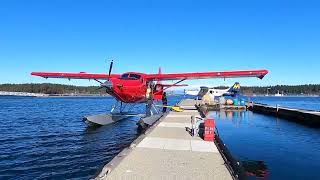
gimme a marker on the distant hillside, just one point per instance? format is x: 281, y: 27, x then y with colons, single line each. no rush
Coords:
x: 310, y: 89
x: 46, y: 88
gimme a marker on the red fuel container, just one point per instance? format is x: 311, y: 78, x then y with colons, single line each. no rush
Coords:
x: 208, y: 130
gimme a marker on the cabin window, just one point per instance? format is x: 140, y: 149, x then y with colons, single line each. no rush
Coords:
x: 210, y: 92
x: 124, y: 76
x: 130, y: 76
x: 135, y: 76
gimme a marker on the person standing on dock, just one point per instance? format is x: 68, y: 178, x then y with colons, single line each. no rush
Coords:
x: 164, y: 102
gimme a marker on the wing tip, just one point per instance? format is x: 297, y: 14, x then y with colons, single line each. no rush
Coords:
x: 33, y: 73
x: 263, y: 74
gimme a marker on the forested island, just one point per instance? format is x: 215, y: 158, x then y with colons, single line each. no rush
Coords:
x: 308, y: 89
x: 47, y: 88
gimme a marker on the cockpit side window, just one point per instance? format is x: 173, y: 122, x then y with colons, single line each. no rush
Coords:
x: 130, y: 76
x: 135, y: 76
x: 124, y: 76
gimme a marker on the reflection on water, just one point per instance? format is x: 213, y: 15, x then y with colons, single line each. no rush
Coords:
x: 242, y: 168
x: 234, y: 116
x: 287, y: 149
x: 255, y: 168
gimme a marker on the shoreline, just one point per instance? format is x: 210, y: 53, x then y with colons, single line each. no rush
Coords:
x: 26, y: 94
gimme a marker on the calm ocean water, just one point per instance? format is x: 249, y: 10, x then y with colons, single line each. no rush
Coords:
x: 309, y: 103
x: 288, y: 150
x: 45, y: 138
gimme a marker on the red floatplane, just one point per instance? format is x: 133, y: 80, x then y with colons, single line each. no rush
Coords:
x: 136, y: 87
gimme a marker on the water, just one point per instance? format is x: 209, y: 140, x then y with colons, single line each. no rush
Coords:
x: 288, y: 150
x: 45, y: 138
x: 309, y: 103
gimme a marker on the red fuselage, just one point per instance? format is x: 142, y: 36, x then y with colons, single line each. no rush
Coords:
x: 130, y: 87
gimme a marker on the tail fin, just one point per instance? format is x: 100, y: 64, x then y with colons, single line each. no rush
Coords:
x: 235, y: 88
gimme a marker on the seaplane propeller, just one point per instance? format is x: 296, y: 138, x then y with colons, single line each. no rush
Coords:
x: 107, y: 84
x: 110, y: 68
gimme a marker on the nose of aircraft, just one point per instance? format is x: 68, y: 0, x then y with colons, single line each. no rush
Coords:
x: 107, y: 84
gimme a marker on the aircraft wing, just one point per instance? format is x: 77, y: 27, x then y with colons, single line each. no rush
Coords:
x: 81, y: 75
x: 205, y: 75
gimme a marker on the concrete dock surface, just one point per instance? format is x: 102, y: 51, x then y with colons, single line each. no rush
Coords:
x: 168, y: 152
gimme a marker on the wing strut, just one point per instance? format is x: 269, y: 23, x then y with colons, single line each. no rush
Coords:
x: 171, y: 85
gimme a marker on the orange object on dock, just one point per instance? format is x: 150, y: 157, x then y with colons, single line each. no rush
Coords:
x: 209, y: 130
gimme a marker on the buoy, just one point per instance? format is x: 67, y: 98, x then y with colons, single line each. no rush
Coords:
x: 242, y: 102
x: 235, y: 102
x: 229, y: 102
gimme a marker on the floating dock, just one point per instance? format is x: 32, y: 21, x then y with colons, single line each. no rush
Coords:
x: 167, y: 151
x: 306, y: 117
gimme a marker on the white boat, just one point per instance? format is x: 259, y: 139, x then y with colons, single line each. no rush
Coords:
x: 278, y: 94
x: 213, y: 92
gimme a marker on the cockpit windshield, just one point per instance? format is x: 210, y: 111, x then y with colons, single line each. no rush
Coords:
x: 130, y: 76
x: 124, y: 76
x: 136, y: 76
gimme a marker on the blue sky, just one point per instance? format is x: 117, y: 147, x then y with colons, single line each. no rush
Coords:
x: 179, y: 36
